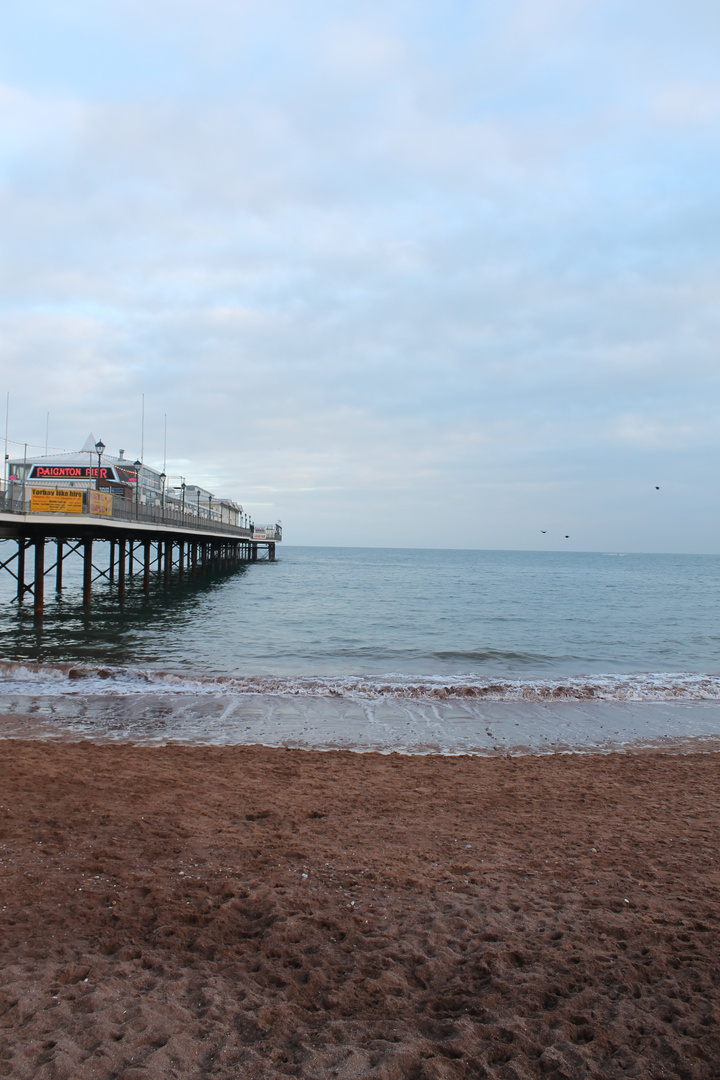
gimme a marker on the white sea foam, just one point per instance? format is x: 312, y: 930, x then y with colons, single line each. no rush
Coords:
x: 78, y: 680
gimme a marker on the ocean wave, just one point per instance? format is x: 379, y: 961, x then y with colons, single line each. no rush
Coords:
x: 74, y: 679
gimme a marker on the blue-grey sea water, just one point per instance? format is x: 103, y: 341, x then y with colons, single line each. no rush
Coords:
x: 350, y: 638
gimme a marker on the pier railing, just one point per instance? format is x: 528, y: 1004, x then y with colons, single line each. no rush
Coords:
x: 127, y: 510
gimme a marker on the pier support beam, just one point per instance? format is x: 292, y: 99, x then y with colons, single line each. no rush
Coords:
x: 181, y: 559
x: 168, y: 560
x: 254, y: 552
x: 121, y: 570
x: 39, y: 587
x: 193, y: 558
x: 21, y: 570
x: 59, y: 567
x: 130, y: 558
x: 146, y: 567
x: 271, y: 552
x: 112, y: 562
x: 87, y: 571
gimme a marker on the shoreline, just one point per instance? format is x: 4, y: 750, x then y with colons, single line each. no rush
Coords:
x: 386, y: 726
x: 232, y: 910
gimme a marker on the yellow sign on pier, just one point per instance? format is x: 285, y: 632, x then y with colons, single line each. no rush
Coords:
x: 100, y: 502
x: 53, y: 500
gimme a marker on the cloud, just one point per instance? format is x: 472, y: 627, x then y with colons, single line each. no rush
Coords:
x: 692, y: 105
x: 373, y: 263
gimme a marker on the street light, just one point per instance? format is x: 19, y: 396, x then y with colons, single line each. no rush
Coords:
x: 209, y: 507
x: 137, y: 467
x: 198, y: 495
x: 99, y: 450
x: 163, y: 477
x: 183, y: 499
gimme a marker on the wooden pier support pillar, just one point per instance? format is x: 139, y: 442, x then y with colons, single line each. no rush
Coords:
x: 39, y: 587
x: 21, y: 570
x: 59, y: 567
x: 131, y: 545
x: 181, y: 559
x: 112, y: 562
x: 146, y: 566
x: 254, y: 552
x: 271, y: 552
x: 168, y: 560
x: 121, y: 570
x: 87, y: 570
x: 159, y: 558
x: 193, y: 558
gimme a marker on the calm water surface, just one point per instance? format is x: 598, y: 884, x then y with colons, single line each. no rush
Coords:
x: 340, y: 611
x: 363, y: 625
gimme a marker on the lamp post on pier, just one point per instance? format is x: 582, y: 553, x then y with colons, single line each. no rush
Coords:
x: 99, y: 450
x: 138, y: 466
x: 163, y: 478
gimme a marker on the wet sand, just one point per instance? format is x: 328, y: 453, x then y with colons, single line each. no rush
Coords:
x: 250, y: 912
x: 454, y: 725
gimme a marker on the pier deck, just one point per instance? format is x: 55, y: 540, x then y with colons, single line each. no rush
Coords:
x: 152, y: 537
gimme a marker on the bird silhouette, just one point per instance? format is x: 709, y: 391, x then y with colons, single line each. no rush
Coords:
x: 543, y: 531
x: 657, y: 488
x: 567, y: 537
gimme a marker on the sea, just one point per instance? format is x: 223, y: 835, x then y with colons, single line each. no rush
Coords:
x: 384, y: 649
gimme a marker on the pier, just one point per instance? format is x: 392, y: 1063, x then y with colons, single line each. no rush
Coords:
x: 146, y: 542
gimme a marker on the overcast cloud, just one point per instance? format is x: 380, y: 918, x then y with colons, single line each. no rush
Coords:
x: 399, y: 274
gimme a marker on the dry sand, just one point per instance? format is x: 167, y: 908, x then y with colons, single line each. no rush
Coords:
x: 245, y: 912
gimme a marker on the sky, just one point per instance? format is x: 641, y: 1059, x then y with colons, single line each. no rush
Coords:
x: 398, y: 274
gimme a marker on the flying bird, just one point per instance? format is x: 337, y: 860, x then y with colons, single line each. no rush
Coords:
x: 657, y: 488
x: 543, y: 531
x: 567, y: 537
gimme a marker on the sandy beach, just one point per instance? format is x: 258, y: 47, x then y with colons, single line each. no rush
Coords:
x: 249, y: 912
